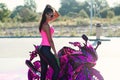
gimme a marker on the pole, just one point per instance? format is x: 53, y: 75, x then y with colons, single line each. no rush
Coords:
x: 91, y: 15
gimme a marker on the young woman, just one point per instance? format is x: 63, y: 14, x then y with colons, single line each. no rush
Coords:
x: 46, y: 31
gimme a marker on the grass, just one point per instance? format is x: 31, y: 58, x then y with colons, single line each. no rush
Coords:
x: 64, y: 27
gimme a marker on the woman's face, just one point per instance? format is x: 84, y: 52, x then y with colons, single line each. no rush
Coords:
x: 49, y: 16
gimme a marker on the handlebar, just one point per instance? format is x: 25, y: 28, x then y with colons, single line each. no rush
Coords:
x: 84, y: 37
x: 98, y: 43
x: 32, y: 55
x: 71, y: 43
x: 75, y: 44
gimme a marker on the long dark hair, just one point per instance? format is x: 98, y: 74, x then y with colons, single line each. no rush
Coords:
x: 47, y: 10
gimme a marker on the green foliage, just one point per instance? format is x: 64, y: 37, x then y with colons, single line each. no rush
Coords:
x: 24, y: 14
x: 103, y: 12
x: 116, y: 9
x: 72, y: 6
x: 27, y: 15
x: 68, y: 6
x: 98, y: 3
x: 100, y: 8
x: 115, y: 20
x: 30, y: 4
x: 82, y: 22
x: 16, y: 11
x: 4, y: 12
x: 110, y: 14
x: 83, y: 14
x: 72, y: 15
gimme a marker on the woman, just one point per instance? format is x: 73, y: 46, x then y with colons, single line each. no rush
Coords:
x: 46, y: 31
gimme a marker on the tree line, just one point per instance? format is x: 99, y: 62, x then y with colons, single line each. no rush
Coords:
x: 70, y: 8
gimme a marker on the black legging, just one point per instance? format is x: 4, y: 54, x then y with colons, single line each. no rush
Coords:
x: 47, y: 58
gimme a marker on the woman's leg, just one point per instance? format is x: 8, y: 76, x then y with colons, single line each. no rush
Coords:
x: 54, y: 65
x: 43, y: 68
x: 44, y: 64
x: 50, y: 59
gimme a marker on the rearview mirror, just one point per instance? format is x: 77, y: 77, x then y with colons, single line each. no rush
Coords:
x: 84, y: 37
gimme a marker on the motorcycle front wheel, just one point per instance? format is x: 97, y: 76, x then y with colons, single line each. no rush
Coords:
x: 96, y: 74
x: 91, y: 74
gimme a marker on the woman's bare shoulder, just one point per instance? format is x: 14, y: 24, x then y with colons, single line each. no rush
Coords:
x: 45, y: 26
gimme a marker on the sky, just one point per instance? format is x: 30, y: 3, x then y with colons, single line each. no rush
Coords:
x: 11, y: 4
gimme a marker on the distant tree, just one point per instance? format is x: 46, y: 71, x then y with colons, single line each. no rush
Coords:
x: 110, y: 14
x: 86, y: 7
x: 73, y: 14
x: 103, y: 12
x: 24, y: 14
x: 4, y: 12
x: 116, y: 9
x: 98, y: 6
x: 98, y: 3
x: 83, y: 14
x: 30, y: 4
x: 68, y: 6
x: 27, y: 15
x: 16, y: 11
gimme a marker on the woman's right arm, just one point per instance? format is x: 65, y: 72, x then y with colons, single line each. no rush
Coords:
x: 46, y: 28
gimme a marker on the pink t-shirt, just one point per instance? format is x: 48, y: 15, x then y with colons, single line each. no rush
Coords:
x: 45, y: 41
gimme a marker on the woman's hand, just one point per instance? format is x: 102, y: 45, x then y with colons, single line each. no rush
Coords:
x: 56, y: 55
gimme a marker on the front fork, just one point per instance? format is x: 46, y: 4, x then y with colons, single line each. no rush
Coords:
x: 86, y: 70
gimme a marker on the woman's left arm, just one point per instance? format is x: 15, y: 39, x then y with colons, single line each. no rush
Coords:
x: 56, y: 14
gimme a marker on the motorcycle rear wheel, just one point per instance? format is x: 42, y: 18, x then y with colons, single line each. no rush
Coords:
x: 32, y: 76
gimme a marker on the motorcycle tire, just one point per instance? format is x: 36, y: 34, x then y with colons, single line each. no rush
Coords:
x: 92, y: 74
x: 31, y: 76
x: 96, y: 74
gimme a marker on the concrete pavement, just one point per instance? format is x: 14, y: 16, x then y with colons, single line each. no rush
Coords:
x: 14, y: 51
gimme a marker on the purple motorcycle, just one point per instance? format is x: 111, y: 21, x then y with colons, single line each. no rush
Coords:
x: 74, y: 64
